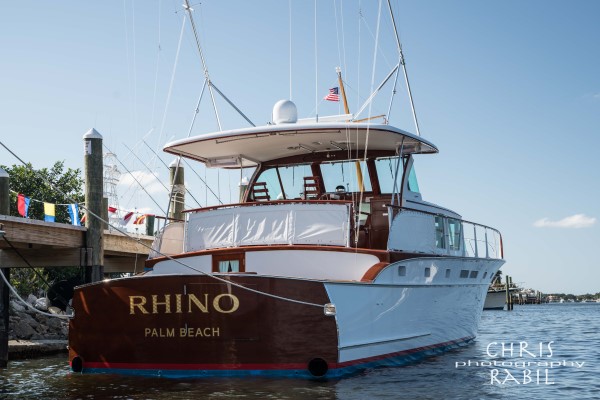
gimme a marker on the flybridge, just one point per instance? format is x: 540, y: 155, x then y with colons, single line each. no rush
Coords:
x: 252, y: 146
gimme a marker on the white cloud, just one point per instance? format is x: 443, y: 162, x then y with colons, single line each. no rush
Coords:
x: 146, y: 179
x: 574, y: 221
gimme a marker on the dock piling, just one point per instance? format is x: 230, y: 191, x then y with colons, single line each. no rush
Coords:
x: 4, y: 290
x: 178, y: 191
x: 93, y: 171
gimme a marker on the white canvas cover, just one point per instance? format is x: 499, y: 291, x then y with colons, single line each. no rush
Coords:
x: 170, y: 240
x: 296, y: 223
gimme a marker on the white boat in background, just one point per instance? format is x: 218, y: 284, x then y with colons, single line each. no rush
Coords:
x: 495, y: 299
x: 332, y: 263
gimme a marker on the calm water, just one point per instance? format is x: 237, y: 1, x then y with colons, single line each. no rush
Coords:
x: 572, y: 329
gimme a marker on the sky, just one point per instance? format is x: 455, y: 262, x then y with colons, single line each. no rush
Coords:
x: 508, y: 91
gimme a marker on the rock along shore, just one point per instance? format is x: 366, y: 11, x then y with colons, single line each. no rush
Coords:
x: 32, y: 334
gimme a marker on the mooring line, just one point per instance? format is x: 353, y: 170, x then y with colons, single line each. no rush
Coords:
x: 139, y: 241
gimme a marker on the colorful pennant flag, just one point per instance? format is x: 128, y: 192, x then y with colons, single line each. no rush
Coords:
x: 139, y: 220
x: 83, y: 219
x: 112, y: 209
x: 49, y: 212
x: 23, y: 204
x: 74, y: 214
x: 334, y: 94
x: 127, y: 217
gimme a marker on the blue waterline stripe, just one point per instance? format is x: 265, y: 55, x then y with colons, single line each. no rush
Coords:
x: 396, y: 361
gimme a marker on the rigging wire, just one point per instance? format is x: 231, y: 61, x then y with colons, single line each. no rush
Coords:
x: 290, y: 18
x: 189, y: 10
x: 194, y: 171
x: 168, y: 257
x: 403, y: 63
x: 133, y: 176
x: 158, y: 51
x: 162, y: 128
x: 316, y: 69
x: 372, y: 85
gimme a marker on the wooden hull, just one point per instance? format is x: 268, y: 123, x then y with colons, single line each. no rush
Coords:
x: 194, y: 326
x: 175, y: 325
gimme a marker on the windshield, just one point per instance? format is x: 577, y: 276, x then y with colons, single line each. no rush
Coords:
x: 287, y: 182
x: 348, y: 174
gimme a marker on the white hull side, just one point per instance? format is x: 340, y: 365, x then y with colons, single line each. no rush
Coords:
x: 388, y: 316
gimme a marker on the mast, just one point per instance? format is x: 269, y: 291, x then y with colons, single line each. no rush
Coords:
x: 359, y: 175
x: 338, y: 70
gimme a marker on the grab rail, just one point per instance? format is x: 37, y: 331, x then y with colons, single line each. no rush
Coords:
x: 477, y: 242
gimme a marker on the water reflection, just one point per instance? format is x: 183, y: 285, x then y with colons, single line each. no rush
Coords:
x: 434, y: 378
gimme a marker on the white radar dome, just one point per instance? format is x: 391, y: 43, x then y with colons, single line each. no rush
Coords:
x: 285, y: 112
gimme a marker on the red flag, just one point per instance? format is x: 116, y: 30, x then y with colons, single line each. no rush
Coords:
x: 127, y: 217
x: 83, y: 219
x: 112, y: 209
x: 22, y: 204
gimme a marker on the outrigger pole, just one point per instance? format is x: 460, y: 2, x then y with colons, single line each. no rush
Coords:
x: 211, y: 85
x: 402, y: 62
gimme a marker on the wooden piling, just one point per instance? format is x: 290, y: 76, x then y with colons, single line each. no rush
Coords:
x: 511, y: 302
x: 4, y: 290
x: 93, y: 170
x: 177, y: 191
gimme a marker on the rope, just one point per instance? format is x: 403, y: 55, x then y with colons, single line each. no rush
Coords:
x: 40, y: 201
x: 32, y: 268
x: 141, y: 243
x: 14, y: 291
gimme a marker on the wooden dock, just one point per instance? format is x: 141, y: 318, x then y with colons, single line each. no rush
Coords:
x: 50, y: 244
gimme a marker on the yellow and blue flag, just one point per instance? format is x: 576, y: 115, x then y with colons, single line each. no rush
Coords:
x: 49, y: 213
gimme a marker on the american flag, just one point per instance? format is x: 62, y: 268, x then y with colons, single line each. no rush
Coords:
x: 334, y: 94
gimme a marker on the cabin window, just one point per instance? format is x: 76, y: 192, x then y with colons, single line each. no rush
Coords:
x: 473, y: 274
x: 269, y: 177
x: 464, y: 273
x: 346, y: 174
x: 292, y: 178
x: 386, y: 168
x: 229, y: 266
x: 484, y: 275
x: 427, y: 272
x: 448, y: 273
x: 440, y: 241
x: 227, y: 263
x: 413, y: 185
x: 402, y: 270
x: 454, y: 233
